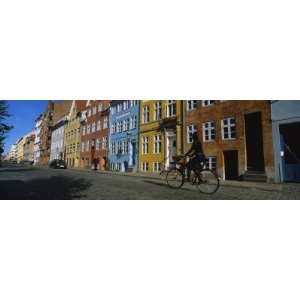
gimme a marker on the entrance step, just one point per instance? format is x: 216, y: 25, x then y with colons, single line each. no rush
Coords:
x: 255, y: 176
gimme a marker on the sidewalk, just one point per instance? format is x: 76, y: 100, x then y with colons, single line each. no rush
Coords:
x: 231, y: 183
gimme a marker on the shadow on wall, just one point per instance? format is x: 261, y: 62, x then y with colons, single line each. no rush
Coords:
x: 53, y: 188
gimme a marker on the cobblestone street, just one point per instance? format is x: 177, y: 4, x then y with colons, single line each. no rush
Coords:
x: 44, y: 183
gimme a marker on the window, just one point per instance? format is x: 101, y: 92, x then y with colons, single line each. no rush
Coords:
x: 125, y: 105
x: 97, y: 144
x: 171, y: 109
x: 119, y: 147
x: 191, y: 105
x: 94, y: 110
x: 145, y: 166
x: 145, y: 145
x: 133, y: 122
x: 157, y: 143
x: 228, y: 129
x: 87, y: 146
x: 113, y: 110
x: 114, y: 128
x: 133, y: 103
x: 125, y: 147
x: 92, y: 143
x: 190, y: 130
x: 207, y: 102
x: 113, y: 148
x: 94, y: 127
x: 126, y: 125
x: 208, y: 131
x: 146, y: 114
x: 157, y: 167
x: 104, y: 142
x: 211, y: 162
x: 88, y: 129
x: 83, y: 130
x: 119, y: 107
x: 105, y: 123
x: 89, y: 112
x: 98, y: 125
x: 119, y: 126
x: 157, y: 111
x: 100, y: 107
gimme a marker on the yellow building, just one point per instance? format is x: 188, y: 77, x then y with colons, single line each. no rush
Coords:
x: 20, y: 149
x: 160, y: 133
x: 72, y: 134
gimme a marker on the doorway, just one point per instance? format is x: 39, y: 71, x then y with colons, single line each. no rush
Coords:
x: 254, y: 142
x: 290, y: 148
x: 231, y: 164
x: 171, y: 147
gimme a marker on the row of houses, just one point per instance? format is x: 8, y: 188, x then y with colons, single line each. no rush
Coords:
x: 249, y: 140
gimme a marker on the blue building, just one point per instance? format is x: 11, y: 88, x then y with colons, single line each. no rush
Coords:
x: 286, y: 133
x: 123, y: 136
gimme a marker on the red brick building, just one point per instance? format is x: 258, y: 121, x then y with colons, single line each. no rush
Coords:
x: 94, y: 134
x: 45, y: 134
x: 236, y: 136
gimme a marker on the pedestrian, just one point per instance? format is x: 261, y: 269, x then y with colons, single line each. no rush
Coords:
x: 95, y: 162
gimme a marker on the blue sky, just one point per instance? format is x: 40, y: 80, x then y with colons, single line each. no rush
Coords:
x: 23, y: 115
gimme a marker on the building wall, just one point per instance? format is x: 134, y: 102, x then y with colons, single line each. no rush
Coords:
x: 165, y: 126
x: 20, y: 149
x: 57, y: 141
x: 236, y: 109
x: 72, y: 139
x: 45, y: 134
x: 29, y: 148
x: 127, y: 157
x: 283, y: 112
x: 37, y: 140
x: 96, y: 111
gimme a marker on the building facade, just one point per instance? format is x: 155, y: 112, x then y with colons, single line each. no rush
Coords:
x: 29, y: 148
x: 20, y: 149
x: 236, y: 136
x: 94, y: 135
x: 57, y: 139
x: 72, y: 134
x: 123, y: 136
x: 12, y: 154
x: 60, y: 113
x: 37, y: 140
x: 45, y: 134
x: 286, y: 132
x: 160, y: 133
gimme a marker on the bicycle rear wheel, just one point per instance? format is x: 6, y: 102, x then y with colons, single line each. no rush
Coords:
x: 175, y: 178
x: 207, y: 182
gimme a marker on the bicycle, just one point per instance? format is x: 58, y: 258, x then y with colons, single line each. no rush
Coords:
x: 206, y: 180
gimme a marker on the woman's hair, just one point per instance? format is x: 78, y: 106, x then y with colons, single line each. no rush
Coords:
x: 195, y: 137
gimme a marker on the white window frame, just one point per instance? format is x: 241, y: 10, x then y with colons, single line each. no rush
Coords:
x: 190, y: 130
x: 209, y: 128
x: 230, y: 128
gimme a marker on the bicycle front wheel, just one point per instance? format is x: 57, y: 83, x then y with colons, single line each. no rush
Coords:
x: 175, y: 179
x: 207, y: 182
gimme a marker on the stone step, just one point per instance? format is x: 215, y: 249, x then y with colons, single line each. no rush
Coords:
x: 255, y: 176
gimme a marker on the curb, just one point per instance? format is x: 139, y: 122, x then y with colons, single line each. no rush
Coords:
x: 270, y: 187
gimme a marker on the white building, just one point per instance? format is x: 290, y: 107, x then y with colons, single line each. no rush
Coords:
x: 57, y: 139
x: 37, y: 141
x: 12, y: 154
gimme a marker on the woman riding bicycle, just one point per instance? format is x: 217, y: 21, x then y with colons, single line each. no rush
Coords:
x: 196, y: 156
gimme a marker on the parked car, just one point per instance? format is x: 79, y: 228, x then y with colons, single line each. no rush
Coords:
x: 58, y: 164
x: 26, y: 162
